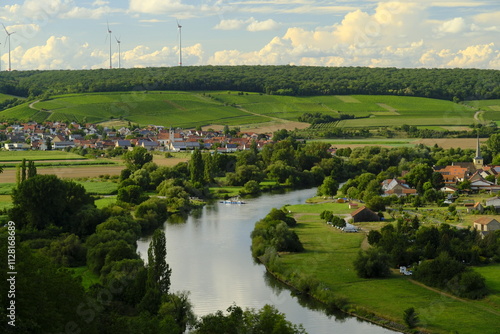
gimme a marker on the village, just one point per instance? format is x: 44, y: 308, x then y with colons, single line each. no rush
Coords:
x: 474, y: 183
x: 62, y: 136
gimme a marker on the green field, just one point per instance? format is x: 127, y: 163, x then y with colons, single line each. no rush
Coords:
x: 88, y: 277
x: 399, y: 142
x: 99, y: 188
x: 181, y: 109
x: 378, y: 110
x: 13, y: 156
x: 104, y: 202
x: 490, y: 108
x: 328, y: 259
x: 4, y: 97
x: 5, y: 202
x: 190, y: 109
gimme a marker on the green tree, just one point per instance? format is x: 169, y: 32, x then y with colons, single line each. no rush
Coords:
x: 410, y: 317
x: 437, y: 180
x: 196, y: 167
x: 418, y: 175
x: 158, y: 274
x: 136, y: 158
x: 180, y: 309
x: 45, y: 199
x: 493, y: 143
x: 329, y: 187
x: 376, y: 203
x: 252, y: 187
x: 158, y: 269
x: 267, y: 320
x: 372, y: 263
x: 131, y: 194
x: 41, y: 288
x: 226, y: 131
x: 48, y: 143
x: 374, y: 237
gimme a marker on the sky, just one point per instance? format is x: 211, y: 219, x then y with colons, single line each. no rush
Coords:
x: 73, y: 34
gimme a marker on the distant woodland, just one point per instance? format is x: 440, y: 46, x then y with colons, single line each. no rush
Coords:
x: 447, y: 84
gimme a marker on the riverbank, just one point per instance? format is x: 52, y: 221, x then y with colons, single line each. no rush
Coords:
x: 375, y: 320
x: 325, y: 272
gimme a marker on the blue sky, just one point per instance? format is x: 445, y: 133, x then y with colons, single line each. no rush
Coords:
x: 72, y: 34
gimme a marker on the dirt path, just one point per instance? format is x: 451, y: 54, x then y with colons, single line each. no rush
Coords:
x: 32, y: 105
x: 484, y: 308
x: 365, y: 244
x: 476, y: 115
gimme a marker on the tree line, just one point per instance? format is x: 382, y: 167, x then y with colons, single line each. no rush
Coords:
x: 59, y: 229
x: 449, y: 84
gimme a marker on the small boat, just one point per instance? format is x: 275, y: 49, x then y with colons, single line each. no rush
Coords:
x: 233, y: 201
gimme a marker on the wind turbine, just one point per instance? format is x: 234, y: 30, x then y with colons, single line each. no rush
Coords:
x: 109, y: 31
x: 8, y: 36
x: 119, y: 52
x: 180, y: 43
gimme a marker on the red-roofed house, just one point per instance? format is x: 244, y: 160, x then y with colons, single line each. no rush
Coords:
x: 363, y: 214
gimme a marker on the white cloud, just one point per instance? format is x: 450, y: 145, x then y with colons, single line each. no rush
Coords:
x: 250, y: 24
x: 87, y: 13
x: 396, y: 34
x: 152, y: 21
x: 99, y: 3
x: 65, y: 53
x: 45, y: 10
x: 231, y: 24
x: 488, y: 18
x: 452, y: 3
x: 476, y: 56
x: 453, y: 26
x: 170, y: 7
x: 263, y: 25
x: 56, y: 53
x: 473, y: 56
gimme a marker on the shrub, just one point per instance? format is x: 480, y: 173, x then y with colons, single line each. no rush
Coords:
x: 372, y: 263
x: 410, y: 317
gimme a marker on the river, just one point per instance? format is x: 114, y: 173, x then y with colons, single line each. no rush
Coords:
x: 209, y: 253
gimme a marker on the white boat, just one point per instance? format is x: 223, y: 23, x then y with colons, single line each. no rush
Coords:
x: 233, y: 201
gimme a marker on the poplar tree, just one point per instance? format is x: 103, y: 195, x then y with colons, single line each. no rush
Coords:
x: 158, y: 269
x: 31, y: 169
x: 196, y: 167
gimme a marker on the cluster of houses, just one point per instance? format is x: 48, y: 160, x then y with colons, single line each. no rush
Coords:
x: 476, y: 172
x: 60, y: 136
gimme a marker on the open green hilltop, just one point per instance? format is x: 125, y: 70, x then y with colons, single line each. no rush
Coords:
x: 190, y: 109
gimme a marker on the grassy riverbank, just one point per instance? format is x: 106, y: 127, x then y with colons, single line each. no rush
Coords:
x: 325, y: 271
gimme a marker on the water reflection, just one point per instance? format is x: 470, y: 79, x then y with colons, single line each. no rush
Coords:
x: 209, y: 253
x: 305, y: 300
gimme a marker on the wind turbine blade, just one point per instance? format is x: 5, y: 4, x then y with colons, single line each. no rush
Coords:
x: 5, y: 29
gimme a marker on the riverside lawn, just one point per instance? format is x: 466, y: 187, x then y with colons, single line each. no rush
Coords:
x: 325, y: 270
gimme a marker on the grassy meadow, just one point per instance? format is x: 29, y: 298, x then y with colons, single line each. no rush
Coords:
x: 329, y: 256
x: 18, y: 156
x: 183, y: 109
x: 191, y: 109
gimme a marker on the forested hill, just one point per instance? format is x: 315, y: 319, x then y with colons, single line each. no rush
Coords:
x: 449, y: 84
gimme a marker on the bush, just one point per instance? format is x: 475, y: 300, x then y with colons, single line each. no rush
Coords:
x: 252, y: 187
x: 372, y: 263
x: 451, y: 275
x: 410, y: 317
x: 131, y: 194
